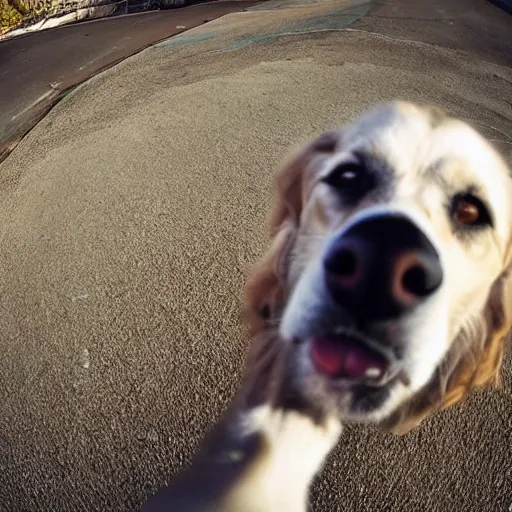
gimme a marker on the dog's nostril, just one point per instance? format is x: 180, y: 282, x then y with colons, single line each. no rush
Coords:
x: 344, y: 264
x: 415, y: 281
x: 347, y: 263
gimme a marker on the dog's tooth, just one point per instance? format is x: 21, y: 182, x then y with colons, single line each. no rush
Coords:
x: 372, y: 372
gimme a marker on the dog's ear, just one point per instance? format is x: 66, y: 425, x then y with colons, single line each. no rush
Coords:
x: 265, y: 287
x: 474, y: 360
x: 482, y: 367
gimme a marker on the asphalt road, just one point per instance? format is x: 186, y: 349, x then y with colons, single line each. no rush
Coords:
x: 38, y: 68
x: 131, y: 212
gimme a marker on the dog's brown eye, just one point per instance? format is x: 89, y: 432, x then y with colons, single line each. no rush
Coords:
x: 468, y: 210
x: 467, y: 213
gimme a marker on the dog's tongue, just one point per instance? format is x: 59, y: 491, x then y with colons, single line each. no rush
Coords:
x: 342, y: 356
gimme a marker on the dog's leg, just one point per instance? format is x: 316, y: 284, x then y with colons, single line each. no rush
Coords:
x: 264, y: 453
x: 260, y: 460
x: 292, y: 450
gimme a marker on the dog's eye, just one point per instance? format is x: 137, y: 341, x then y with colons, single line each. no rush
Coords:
x: 469, y: 210
x: 352, y: 179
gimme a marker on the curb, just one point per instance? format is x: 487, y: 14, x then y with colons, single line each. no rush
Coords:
x: 506, y: 5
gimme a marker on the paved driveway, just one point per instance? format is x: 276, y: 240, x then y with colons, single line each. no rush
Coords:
x: 131, y: 212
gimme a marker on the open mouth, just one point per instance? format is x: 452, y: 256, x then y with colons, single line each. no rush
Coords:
x: 349, y: 358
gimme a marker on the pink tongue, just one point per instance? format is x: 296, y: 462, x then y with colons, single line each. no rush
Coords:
x: 343, y: 357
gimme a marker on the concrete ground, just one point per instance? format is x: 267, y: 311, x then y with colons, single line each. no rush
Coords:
x: 131, y: 212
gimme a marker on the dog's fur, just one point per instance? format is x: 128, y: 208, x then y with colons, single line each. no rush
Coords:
x: 426, y: 157
x: 288, y: 416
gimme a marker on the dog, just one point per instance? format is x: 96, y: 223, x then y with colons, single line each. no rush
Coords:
x: 386, y: 294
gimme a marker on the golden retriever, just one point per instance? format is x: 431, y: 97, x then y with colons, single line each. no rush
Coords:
x: 386, y: 293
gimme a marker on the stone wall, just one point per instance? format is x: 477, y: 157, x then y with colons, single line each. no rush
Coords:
x: 19, y: 16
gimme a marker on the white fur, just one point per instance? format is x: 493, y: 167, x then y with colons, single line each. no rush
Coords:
x: 296, y: 448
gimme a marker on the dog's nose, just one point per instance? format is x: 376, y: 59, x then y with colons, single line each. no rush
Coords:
x: 382, y: 267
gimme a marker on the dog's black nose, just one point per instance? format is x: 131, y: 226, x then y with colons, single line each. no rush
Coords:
x: 382, y: 267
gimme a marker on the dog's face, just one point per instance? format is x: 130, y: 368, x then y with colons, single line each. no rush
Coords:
x: 387, y: 279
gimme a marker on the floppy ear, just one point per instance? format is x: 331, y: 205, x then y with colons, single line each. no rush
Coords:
x: 265, y: 289
x: 484, y: 367
x: 474, y: 360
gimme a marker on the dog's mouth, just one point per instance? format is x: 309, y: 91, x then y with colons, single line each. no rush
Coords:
x: 349, y: 358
